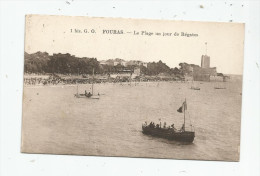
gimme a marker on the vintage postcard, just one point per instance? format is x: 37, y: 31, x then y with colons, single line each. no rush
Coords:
x: 132, y: 87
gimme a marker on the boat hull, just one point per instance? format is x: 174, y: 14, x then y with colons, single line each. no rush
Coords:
x: 195, y: 88
x: 219, y: 87
x: 86, y: 96
x: 80, y: 95
x: 170, y: 134
x: 94, y: 97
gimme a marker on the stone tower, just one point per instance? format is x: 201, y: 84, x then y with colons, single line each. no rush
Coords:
x: 205, y: 61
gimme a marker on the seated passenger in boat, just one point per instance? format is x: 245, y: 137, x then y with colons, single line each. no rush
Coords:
x: 164, y: 125
x: 172, y: 127
x: 183, y: 128
x: 151, y: 125
x: 89, y: 94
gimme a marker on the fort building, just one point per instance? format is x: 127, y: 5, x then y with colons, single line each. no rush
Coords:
x: 204, y: 72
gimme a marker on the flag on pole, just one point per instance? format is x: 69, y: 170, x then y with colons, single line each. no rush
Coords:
x: 180, y: 110
x: 183, y: 107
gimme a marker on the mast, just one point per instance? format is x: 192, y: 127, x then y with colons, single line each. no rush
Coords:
x: 130, y: 79
x: 92, y: 81
x: 184, y: 114
x: 77, y: 83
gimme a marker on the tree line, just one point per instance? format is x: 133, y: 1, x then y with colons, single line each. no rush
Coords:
x: 42, y: 62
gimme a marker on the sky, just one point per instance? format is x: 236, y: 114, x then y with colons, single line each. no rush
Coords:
x: 56, y: 34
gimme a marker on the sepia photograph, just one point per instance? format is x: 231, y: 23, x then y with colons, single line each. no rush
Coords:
x: 132, y: 87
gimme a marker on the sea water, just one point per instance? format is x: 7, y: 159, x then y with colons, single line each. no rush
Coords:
x: 56, y: 122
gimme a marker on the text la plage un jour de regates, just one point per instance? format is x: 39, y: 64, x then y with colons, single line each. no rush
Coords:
x: 136, y: 33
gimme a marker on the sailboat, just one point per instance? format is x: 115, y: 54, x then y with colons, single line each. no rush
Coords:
x: 171, y: 133
x: 77, y: 95
x: 88, y: 95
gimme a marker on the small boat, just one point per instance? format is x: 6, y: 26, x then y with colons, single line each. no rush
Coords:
x: 195, y: 88
x: 219, y: 88
x: 171, y: 133
x: 88, y: 95
x: 77, y: 95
